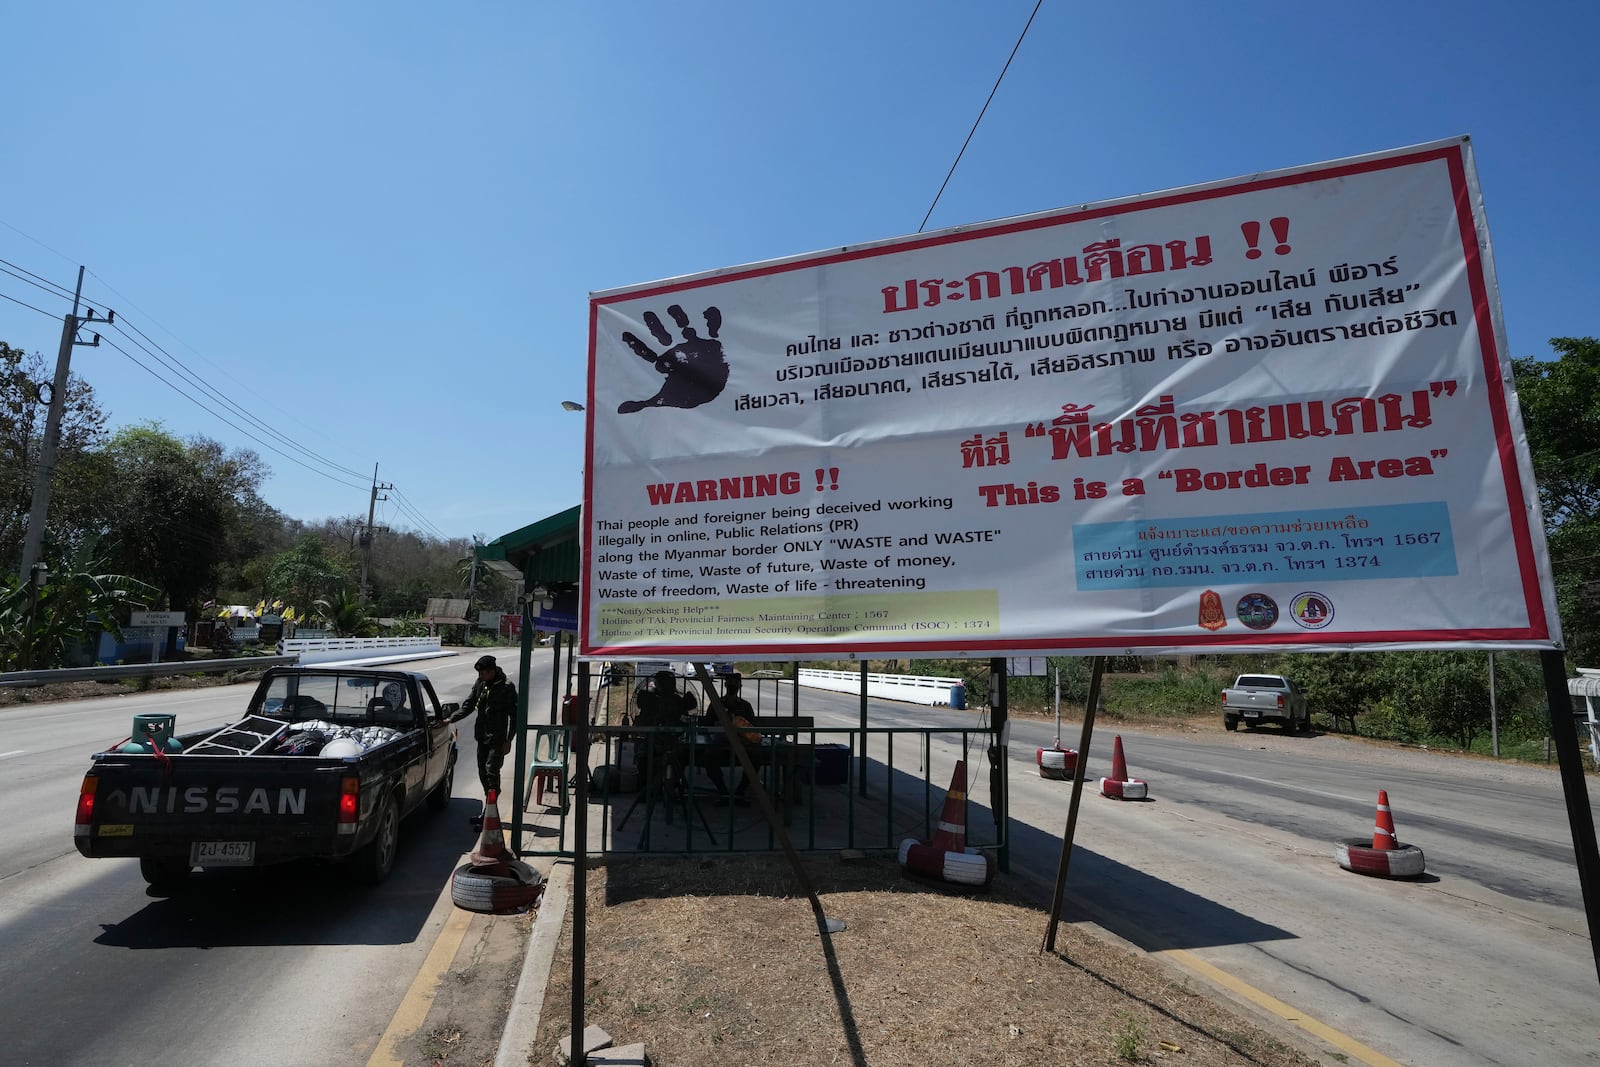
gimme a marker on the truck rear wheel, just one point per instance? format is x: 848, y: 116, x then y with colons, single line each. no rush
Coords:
x: 1230, y: 722
x: 164, y: 872
x: 376, y: 860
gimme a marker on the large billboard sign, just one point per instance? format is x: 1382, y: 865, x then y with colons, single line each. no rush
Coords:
x: 1270, y: 412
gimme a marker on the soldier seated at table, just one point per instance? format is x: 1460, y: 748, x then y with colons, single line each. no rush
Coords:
x: 741, y: 712
x: 662, y: 705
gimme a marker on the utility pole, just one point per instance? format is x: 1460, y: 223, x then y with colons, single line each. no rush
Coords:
x: 33, y: 541
x: 366, y: 533
x: 472, y: 581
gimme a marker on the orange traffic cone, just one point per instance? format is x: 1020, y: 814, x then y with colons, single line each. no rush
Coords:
x: 492, y: 845
x: 1119, y: 765
x: 951, y: 835
x: 1383, y: 832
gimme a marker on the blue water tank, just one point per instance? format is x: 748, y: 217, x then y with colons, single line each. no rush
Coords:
x: 958, y: 696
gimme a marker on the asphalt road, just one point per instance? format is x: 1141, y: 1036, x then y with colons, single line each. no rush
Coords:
x: 290, y: 965
x: 1486, y: 960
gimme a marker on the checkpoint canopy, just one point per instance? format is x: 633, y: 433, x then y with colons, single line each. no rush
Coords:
x: 541, y: 554
x: 1265, y: 412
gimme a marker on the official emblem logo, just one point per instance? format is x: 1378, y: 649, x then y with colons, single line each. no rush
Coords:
x: 1211, y: 616
x: 1257, y: 611
x: 1313, y: 611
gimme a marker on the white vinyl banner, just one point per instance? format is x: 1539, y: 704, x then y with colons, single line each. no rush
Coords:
x: 1266, y: 412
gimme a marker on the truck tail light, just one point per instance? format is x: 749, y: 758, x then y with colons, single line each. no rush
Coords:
x: 1224, y: 698
x: 349, y: 804
x: 1280, y: 701
x: 85, y: 814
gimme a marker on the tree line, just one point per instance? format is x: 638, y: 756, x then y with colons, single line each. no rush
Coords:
x: 140, y: 518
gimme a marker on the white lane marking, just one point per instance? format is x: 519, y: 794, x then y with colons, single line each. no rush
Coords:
x: 14, y: 752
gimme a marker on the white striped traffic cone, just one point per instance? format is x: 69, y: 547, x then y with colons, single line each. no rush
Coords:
x: 951, y: 834
x: 492, y: 844
x: 1383, y: 830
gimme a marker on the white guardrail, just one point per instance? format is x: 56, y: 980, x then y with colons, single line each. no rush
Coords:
x: 907, y: 687
x: 334, y: 649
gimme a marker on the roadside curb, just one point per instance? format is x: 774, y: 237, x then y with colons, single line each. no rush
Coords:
x: 522, y: 1021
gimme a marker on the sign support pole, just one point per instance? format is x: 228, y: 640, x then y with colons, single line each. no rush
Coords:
x: 1072, y: 807
x: 1573, y: 785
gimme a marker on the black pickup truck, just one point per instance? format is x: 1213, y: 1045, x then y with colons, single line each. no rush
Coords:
x: 324, y: 764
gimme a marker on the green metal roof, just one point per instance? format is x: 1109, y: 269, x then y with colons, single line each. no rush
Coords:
x: 548, y: 551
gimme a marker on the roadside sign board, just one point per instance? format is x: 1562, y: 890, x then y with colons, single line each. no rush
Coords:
x: 157, y: 618
x: 1268, y: 412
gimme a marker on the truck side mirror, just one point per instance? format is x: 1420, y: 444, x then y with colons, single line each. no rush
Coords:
x: 448, y: 711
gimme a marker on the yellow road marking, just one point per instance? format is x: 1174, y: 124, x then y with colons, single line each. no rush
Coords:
x: 414, y: 1005
x: 1322, y: 1031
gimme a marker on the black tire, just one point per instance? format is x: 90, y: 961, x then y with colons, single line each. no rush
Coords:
x: 164, y: 872
x: 376, y: 859
x: 1230, y: 722
x: 439, y: 799
x: 475, y: 890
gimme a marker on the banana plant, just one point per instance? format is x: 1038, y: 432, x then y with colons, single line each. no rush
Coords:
x: 76, y: 593
x: 347, y: 615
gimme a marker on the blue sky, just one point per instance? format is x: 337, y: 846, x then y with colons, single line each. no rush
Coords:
x: 375, y: 226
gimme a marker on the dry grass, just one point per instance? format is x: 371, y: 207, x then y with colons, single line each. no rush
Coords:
x: 720, y: 962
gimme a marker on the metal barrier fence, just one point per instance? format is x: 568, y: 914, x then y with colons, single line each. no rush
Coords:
x: 31, y: 679
x: 813, y: 776
x: 915, y: 689
x: 330, y: 649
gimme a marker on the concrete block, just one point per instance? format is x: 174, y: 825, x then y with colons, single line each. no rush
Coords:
x: 626, y: 1056
x: 594, y: 1039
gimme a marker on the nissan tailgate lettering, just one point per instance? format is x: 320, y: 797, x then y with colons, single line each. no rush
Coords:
x: 224, y: 800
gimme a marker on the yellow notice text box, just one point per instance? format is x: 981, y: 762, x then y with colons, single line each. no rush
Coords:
x: 834, y: 619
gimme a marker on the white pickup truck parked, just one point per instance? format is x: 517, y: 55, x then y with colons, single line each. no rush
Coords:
x: 1257, y: 698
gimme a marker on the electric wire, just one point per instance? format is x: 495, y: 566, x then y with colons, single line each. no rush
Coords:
x: 24, y: 275
x: 30, y: 307
x: 210, y: 411
x: 145, y: 344
x: 419, y: 523
x: 416, y: 513
x: 219, y: 368
x: 979, y: 119
x: 402, y: 511
x: 178, y: 365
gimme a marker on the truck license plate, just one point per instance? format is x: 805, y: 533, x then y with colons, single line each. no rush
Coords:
x: 1253, y: 713
x: 222, y: 854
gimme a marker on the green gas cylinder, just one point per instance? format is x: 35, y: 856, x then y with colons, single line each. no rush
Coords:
x: 150, y: 731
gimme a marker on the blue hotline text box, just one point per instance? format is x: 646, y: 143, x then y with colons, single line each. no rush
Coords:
x: 1325, y: 544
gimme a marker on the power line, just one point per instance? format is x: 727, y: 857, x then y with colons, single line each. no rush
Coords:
x: 160, y: 355
x: 148, y: 343
x: 35, y: 240
x: 178, y: 365
x: 30, y: 307
x: 405, y: 504
x: 24, y: 275
x: 202, y: 406
x: 220, y: 369
x: 979, y: 119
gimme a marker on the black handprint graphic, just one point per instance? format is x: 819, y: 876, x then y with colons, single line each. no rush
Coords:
x: 696, y: 369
